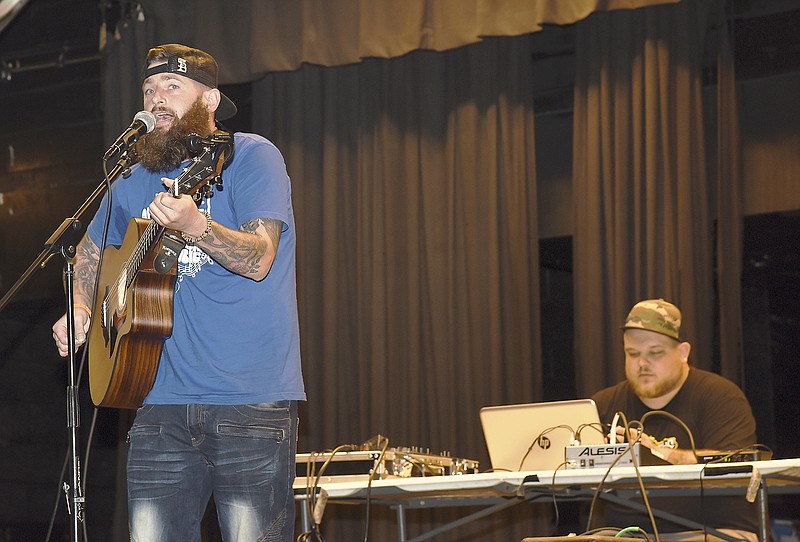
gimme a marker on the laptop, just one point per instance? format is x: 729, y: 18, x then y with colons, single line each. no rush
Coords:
x: 533, y: 436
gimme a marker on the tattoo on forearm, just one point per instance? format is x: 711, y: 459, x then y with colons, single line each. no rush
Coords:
x: 86, y: 260
x: 272, y: 227
x: 240, y: 253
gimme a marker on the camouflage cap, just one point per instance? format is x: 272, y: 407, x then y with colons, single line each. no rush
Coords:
x: 655, y: 315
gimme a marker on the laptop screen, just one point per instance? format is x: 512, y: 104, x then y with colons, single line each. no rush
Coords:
x: 533, y: 436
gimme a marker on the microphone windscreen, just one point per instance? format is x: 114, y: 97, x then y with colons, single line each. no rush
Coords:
x: 147, y: 118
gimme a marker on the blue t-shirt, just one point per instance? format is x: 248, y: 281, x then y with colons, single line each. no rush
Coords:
x: 234, y: 340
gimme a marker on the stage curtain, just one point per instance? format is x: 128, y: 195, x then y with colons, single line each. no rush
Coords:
x: 729, y: 207
x: 414, y: 191
x: 250, y: 38
x: 347, y: 31
x: 643, y: 225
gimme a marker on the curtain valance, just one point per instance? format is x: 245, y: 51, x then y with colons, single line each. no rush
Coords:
x: 254, y: 37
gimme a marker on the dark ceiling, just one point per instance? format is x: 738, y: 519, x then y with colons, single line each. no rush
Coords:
x: 52, y: 34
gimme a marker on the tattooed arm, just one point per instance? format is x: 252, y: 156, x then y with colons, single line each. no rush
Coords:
x: 249, y: 251
x: 86, y: 260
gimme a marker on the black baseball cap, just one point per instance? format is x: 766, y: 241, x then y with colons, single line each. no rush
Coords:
x: 188, y: 62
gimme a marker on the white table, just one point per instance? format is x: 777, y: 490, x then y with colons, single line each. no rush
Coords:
x: 498, y: 490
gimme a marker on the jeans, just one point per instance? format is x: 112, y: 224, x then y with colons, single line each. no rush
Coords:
x: 181, y: 455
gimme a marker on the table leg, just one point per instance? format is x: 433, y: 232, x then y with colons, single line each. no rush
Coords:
x: 305, y: 519
x: 763, y: 515
x: 401, y: 523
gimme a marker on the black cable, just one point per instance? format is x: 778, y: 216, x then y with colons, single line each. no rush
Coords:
x: 312, y: 488
x: 553, y: 493
x: 378, y: 465
x: 599, y: 427
x: 640, y: 425
x: 638, y: 475
x: 539, y: 436
x: 676, y: 420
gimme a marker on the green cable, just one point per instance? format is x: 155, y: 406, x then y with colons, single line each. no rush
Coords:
x: 627, y: 530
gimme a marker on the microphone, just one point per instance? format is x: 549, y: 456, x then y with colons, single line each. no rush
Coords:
x: 143, y: 123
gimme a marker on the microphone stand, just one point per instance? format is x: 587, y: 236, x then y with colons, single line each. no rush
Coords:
x: 62, y: 242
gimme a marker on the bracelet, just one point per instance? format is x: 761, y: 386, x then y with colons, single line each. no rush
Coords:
x: 192, y: 240
x: 84, y: 307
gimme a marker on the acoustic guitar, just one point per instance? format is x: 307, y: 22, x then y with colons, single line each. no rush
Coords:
x: 133, y: 309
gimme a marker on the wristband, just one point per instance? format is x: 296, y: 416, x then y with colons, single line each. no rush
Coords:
x: 84, y: 307
x: 192, y: 240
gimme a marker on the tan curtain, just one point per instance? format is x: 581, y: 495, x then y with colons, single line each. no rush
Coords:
x: 347, y: 31
x: 729, y: 230
x: 642, y: 209
x: 415, y: 196
x: 250, y: 38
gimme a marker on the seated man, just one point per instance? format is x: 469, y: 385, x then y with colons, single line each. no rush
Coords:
x: 659, y: 378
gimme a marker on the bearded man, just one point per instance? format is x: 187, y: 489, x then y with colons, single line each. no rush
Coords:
x: 221, y: 418
x: 661, y: 386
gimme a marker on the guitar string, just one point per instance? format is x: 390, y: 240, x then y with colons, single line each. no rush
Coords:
x: 134, y: 261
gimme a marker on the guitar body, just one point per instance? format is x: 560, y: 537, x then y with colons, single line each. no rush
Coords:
x: 132, y: 320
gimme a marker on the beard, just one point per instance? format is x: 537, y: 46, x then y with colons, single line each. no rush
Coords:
x: 656, y: 389
x: 164, y: 150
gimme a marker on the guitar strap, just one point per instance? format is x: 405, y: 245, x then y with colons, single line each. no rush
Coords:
x: 171, y: 245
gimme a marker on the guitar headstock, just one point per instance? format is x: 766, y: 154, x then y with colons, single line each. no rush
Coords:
x: 220, y: 143
x: 204, y: 172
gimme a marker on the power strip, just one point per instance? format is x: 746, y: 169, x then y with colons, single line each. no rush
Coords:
x: 601, y: 456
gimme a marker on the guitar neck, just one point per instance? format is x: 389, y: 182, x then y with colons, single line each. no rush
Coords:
x: 150, y: 236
